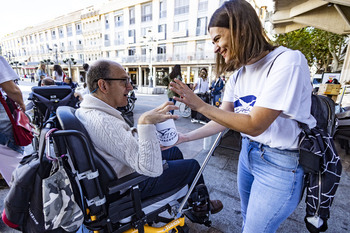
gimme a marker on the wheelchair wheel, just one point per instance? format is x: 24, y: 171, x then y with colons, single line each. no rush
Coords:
x: 131, y: 105
x: 184, y: 110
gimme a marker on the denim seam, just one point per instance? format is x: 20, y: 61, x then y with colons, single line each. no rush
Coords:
x: 292, y: 190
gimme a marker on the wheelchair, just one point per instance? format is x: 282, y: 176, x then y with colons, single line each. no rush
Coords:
x: 44, y: 102
x: 112, y: 204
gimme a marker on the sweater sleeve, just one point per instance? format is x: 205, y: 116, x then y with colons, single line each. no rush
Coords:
x: 114, y: 137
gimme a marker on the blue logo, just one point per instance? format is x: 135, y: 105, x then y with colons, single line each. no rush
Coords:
x: 244, y: 104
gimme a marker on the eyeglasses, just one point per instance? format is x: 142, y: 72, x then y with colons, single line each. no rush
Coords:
x: 127, y: 81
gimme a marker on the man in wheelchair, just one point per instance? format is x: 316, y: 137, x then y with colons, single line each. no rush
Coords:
x: 126, y: 149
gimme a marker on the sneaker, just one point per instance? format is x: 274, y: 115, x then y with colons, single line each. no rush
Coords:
x: 215, y: 207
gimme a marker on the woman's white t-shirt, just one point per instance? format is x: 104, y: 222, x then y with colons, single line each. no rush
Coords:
x: 287, y: 88
x: 58, y: 77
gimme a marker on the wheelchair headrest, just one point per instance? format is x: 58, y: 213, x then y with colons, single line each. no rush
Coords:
x: 52, y: 92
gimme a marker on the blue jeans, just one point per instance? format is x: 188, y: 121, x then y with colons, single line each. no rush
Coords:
x: 174, y: 101
x: 179, y: 173
x: 270, y: 185
x: 216, y: 99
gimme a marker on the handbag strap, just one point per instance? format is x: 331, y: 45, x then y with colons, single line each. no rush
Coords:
x: 7, y: 109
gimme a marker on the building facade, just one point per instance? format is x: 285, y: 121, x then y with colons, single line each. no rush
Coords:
x: 147, y: 37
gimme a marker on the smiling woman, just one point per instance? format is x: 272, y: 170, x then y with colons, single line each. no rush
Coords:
x: 267, y: 96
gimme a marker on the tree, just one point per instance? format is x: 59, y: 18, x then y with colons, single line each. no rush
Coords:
x: 322, y: 49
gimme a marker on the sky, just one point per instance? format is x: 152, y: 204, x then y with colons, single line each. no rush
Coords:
x: 19, y: 14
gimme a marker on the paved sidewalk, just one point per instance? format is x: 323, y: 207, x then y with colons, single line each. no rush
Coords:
x: 221, y: 175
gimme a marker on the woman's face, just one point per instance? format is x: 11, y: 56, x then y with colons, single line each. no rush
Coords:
x: 221, y: 38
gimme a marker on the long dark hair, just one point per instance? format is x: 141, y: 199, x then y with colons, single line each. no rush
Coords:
x: 175, y: 72
x: 248, y: 39
x: 58, y: 69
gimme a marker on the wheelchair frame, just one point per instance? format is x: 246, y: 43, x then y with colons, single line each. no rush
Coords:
x: 114, y: 205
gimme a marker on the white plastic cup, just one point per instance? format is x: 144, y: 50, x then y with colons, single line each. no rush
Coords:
x: 167, y: 133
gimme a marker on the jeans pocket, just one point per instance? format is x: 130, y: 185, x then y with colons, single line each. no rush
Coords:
x: 281, y: 161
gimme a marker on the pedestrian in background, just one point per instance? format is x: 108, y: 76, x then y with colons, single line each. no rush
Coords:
x: 201, y: 88
x: 41, y: 72
x: 265, y: 99
x: 175, y: 73
x: 216, y: 88
x: 58, y: 74
x: 10, y: 152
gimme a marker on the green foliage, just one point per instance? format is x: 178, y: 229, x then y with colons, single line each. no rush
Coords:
x: 320, y: 48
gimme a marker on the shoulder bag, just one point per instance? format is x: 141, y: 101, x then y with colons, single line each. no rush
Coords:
x: 22, y: 129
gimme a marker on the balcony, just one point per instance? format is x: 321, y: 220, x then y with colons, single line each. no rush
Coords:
x: 119, y: 42
x: 161, y: 36
x: 70, y: 47
x: 131, y: 40
x: 79, y: 47
x: 183, y: 33
x: 161, y: 57
x: 107, y: 43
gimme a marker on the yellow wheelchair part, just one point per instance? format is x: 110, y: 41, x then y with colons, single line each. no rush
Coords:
x: 164, y: 229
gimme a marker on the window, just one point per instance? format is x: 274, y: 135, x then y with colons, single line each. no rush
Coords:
x: 53, y: 34
x: 146, y: 12
x: 131, y: 51
x: 162, y: 9
x: 143, y: 50
x: 107, y: 41
x: 181, y: 7
x: 202, y: 5
x: 201, y: 26
x: 162, y: 28
x: 180, y: 50
x: 69, y: 30
x: 118, y: 20
x: 119, y: 38
x: 161, y: 49
x: 200, y: 46
x: 162, y: 32
x: 78, y: 28
x: 131, y: 35
x: 60, y: 31
x: 180, y: 26
x: 145, y: 30
x: 132, y: 15
x: 107, y: 21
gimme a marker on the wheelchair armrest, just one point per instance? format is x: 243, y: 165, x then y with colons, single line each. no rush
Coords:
x: 129, y: 180
x: 126, y: 182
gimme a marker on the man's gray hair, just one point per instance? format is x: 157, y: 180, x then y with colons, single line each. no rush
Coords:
x: 99, y: 70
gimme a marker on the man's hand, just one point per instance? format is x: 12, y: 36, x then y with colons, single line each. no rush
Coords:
x: 158, y: 114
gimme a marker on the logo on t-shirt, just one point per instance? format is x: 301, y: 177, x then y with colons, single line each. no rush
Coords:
x: 244, y: 104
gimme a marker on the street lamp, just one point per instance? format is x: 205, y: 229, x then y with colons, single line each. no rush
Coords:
x: 47, y: 63
x: 16, y: 63
x: 70, y: 61
x: 150, y: 40
x: 56, y: 52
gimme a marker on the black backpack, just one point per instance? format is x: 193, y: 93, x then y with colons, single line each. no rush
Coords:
x: 321, y: 163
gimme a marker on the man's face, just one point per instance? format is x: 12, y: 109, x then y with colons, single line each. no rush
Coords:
x: 118, y: 89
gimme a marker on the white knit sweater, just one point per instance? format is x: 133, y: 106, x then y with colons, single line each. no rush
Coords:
x: 117, y: 142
